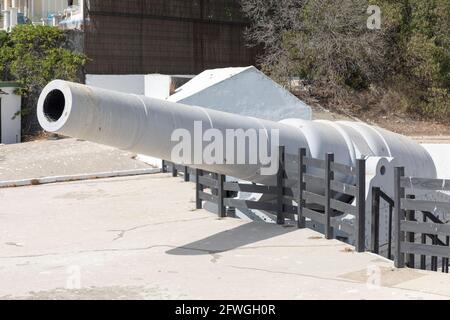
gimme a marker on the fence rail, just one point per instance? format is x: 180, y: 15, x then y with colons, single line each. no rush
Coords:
x: 291, y: 196
x: 414, y: 232
x: 434, y: 235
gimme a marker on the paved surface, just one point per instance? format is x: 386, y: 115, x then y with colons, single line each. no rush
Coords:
x: 46, y: 158
x: 432, y: 139
x: 72, y: 157
x: 140, y: 238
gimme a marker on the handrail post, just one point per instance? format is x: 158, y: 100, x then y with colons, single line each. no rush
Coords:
x: 399, y: 236
x: 280, y: 187
x: 301, y: 223
x: 174, y: 170
x: 221, y: 195
x: 375, y: 230
x: 329, y: 158
x: 360, y: 224
x: 391, y: 210
x: 186, y: 174
x: 445, y: 262
x: 198, y: 188
x: 411, y: 216
x: 434, y: 259
x: 423, y: 240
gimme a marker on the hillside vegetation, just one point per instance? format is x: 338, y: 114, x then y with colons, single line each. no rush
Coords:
x: 401, y: 67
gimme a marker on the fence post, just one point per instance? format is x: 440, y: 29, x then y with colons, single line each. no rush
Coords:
x: 198, y: 188
x: 329, y: 158
x: 399, y: 215
x: 434, y: 259
x: 221, y: 196
x: 423, y: 238
x: 390, y: 233
x: 361, y: 206
x: 280, y: 185
x: 300, y: 219
x: 375, y: 230
x: 445, y: 260
x: 186, y: 174
x: 411, y: 216
x: 174, y: 170
x: 164, y: 166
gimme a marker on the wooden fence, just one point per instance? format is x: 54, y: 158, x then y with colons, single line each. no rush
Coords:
x: 417, y: 232
x: 292, y: 187
x: 333, y: 208
x: 414, y: 218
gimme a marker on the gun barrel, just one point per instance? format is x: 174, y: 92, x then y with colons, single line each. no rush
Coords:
x: 155, y: 127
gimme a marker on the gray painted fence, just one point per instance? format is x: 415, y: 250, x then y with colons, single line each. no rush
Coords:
x: 434, y: 241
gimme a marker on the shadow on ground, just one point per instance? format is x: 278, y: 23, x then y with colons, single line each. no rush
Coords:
x: 231, y: 239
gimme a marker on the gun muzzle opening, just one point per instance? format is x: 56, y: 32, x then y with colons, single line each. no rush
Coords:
x: 54, y: 105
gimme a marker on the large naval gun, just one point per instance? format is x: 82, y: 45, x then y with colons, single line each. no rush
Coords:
x: 155, y: 127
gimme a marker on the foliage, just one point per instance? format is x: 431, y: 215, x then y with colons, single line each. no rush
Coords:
x: 329, y: 44
x: 33, y: 56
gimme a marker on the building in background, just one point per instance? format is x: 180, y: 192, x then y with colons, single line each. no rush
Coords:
x: 144, y: 36
x: 164, y: 36
x: 62, y: 13
x: 148, y: 47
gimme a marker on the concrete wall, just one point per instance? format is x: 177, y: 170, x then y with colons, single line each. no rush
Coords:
x: 10, y: 105
x: 161, y: 86
x: 440, y: 154
x: 151, y: 85
x: 244, y: 91
x: 134, y: 84
x: 157, y: 86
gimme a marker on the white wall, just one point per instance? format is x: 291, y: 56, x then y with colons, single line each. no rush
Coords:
x: 10, y: 105
x: 132, y: 83
x: 157, y: 86
x: 243, y: 91
x: 440, y: 154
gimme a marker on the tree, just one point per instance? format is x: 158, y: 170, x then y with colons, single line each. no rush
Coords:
x: 33, y: 56
x: 270, y: 19
x: 329, y: 44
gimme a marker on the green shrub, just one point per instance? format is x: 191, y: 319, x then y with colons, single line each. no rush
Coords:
x: 33, y: 56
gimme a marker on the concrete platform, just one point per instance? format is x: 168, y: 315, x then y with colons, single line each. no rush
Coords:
x: 66, y: 157
x: 141, y: 238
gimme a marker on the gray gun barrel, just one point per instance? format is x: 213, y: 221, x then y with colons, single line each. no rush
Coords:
x: 146, y: 126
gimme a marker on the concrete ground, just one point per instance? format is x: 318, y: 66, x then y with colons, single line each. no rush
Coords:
x: 141, y: 238
x: 46, y: 158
